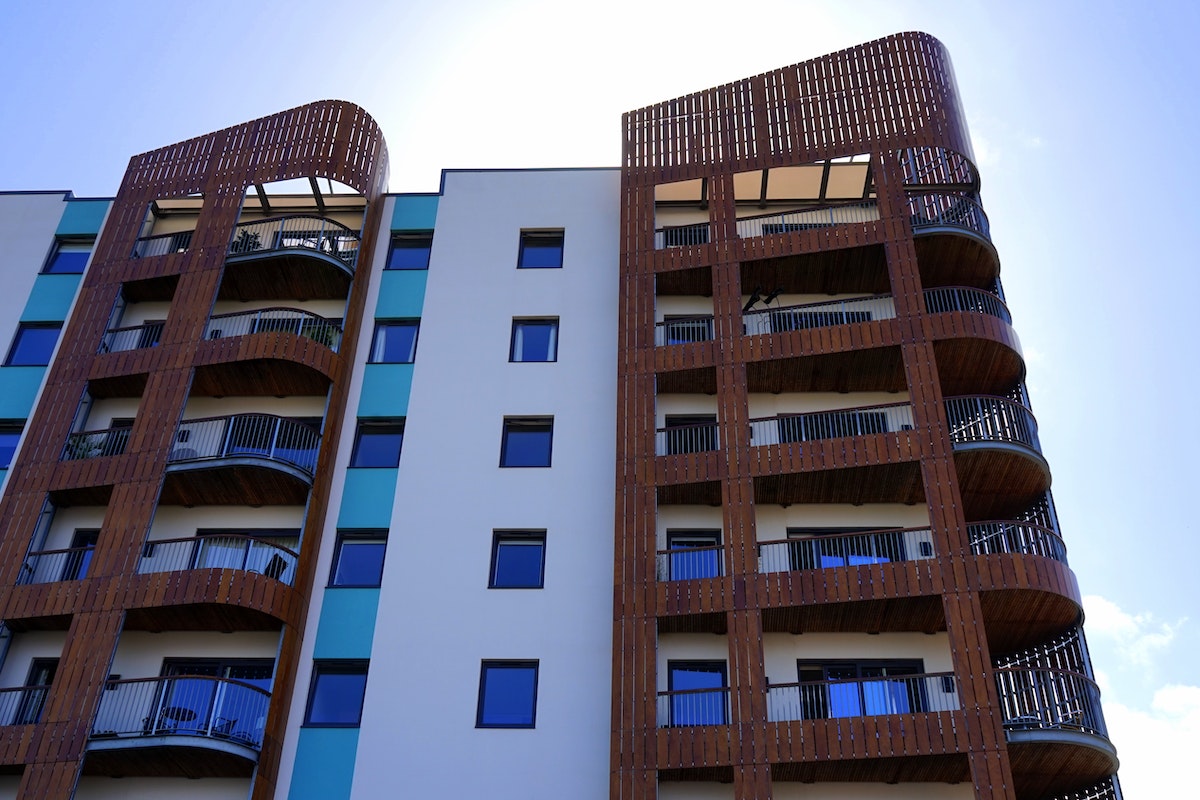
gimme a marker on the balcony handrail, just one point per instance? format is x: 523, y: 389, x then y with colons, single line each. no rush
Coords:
x: 965, y: 298
x: 306, y: 323
x: 939, y: 210
x: 834, y: 423
x: 22, y: 705
x: 1045, y: 698
x: 686, y: 563
x: 808, y: 218
x: 184, y: 553
x: 308, y: 232
x: 1014, y: 536
x: 247, y: 435
x: 823, y: 314
x: 815, y: 207
x: 880, y: 546
x: 876, y: 695
x: 988, y: 418
x: 691, y: 329
x: 189, y: 705
x: 134, y: 337
x: 48, y: 566
x: 699, y: 437
x: 94, y: 444
x: 162, y: 243
x: 688, y: 707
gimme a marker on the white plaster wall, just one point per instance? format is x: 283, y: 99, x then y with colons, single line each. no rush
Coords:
x: 137, y: 313
x: 785, y: 790
x: 694, y: 790
x: 772, y: 522
x: 292, y: 406
x: 176, y: 522
x: 768, y: 405
x: 104, y: 411
x: 681, y: 306
x: 27, y: 225
x: 67, y: 520
x: 686, y: 518
x: 24, y: 648
x: 330, y: 309
x: 689, y: 647
x: 98, y: 788
x: 781, y: 650
x: 437, y: 618
x: 677, y: 404
x: 679, y: 215
x: 140, y: 654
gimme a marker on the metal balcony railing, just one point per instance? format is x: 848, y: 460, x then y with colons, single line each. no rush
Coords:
x: 818, y: 315
x: 1107, y: 789
x: 936, y: 210
x: 247, y: 435
x: 804, y: 219
x: 1034, y: 698
x: 684, y: 330
x: 221, y: 551
x: 22, y: 705
x: 685, y: 563
x: 991, y: 419
x: 162, y: 244
x: 682, y: 235
x: 862, y: 697
x: 296, y: 232
x: 93, y: 444
x: 184, y: 705
x: 1023, y: 538
x: 834, y: 424
x: 827, y: 552
x: 964, y: 298
x: 275, y: 320
x: 679, y: 439
x: 48, y: 566
x: 118, y: 340
x: 693, y: 707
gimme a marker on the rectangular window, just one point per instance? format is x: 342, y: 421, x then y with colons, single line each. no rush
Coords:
x: 534, y: 340
x: 335, y: 698
x: 824, y: 548
x: 518, y: 560
x: 358, y: 560
x: 860, y: 688
x: 395, y: 342
x: 33, y: 344
x: 507, y: 694
x: 10, y: 434
x: 694, y: 554
x: 541, y: 250
x: 410, y: 250
x: 698, y: 692
x: 68, y: 258
x: 377, y: 443
x: 527, y: 442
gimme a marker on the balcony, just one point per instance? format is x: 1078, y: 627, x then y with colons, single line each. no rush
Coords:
x: 49, y: 566
x: 690, y: 707
x: 806, y: 219
x: 1035, y: 699
x: 676, y: 440
x: 195, y: 726
x: 991, y: 422
x: 95, y: 444
x: 834, y: 699
x: 953, y: 240
x: 813, y: 426
x: 964, y: 298
x: 935, y: 212
x: 220, y: 551
x: 681, y: 564
x: 22, y: 705
x: 160, y: 245
x: 275, y: 258
x: 276, y: 320
x: 682, y: 236
x: 119, y: 340
x: 684, y: 330
x: 998, y: 456
x: 818, y: 315
x: 1021, y: 538
x: 829, y: 552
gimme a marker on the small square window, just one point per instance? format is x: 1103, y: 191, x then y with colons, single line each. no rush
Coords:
x: 33, y: 345
x: 518, y: 560
x: 507, y: 694
x: 395, y: 342
x: 541, y: 250
x: 10, y: 434
x: 335, y: 699
x: 358, y: 560
x: 410, y: 250
x: 377, y: 444
x: 68, y: 258
x: 534, y: 340
x: 527, y: 442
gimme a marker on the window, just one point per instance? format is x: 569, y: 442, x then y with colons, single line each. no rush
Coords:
x: 377, y: 444
x: 534, y: 340
x: 358, y: 560
x: 33, y: 344
x: 395, y: 342
x: 823, y: 548
x: 79, y: 557
x: 527, y: 442
x: 10, y: 434
x: 68, y: 258
x: 685, y: 330
x: 861, y: 688
x: 698, y: 692
x: 335, y: 699
x: 540, y: 250
x: 694, y: 554
x: 518, y: 560
x: 410, y: 250
x: 41, y: 675
x: 507, y: 694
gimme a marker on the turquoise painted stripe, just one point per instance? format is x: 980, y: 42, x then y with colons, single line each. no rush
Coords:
x: 414, y: 212
x: 401, y: 294
x: 3, y: 475
x: 51, y: 298
x: 324, y: 768
x: 18, y: 389
x: 347, y: 623
x: 82, y: 217
x: 385, y: 390
x: 367, y: 498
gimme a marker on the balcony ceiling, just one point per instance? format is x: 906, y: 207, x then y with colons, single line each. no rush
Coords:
x: 171, y: 761
x: 977, y: 366
x: 1017, y: 619
x: 274, y: 275
x: 952, y: 768
x: 918, y: 613
x: 1000, y: 482
x: 210, y: 483
x: 260, y: 377
x: 885, y: 483
x: 849, y: 269
x: 878, y: 369
x: 1052, y: 769
x: 956, y: 259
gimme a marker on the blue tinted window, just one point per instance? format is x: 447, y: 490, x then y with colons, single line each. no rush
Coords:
x: 336, y: 697
x: 67, y: 261
x: 359, y: 558
x: 377, y: 444
x: 527, y: 442
x: 10, y: 434
x: 410, y: 251
x: 395, y: 342
x: 518, y: 560
x: 695, y: 554
x: 507, y: 694
x: 534, y: 340
x: 690, y: 704
x: 541, y: 249
x: 33, y: 345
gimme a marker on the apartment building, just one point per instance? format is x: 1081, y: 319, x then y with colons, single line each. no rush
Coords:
x: 711, y: 475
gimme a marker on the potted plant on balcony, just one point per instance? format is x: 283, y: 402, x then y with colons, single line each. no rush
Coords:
x: 246, y: 242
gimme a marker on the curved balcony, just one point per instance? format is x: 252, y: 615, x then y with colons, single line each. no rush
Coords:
x: 275, y: 320
x: 221, y: 551
x: 859, y: 697
x: 828, y: 552
x: 936, y: 212
x: 95, y: 444
x: 990, y: 421
x: 1043, y: 699
x: 953, y: 240
x: 997, y: 454
x: 964, y: 298
x: 833, y: 424
x: 119, y: 340
x: 818, y: 315
x: 1021, y: 538
x: 275, y: 258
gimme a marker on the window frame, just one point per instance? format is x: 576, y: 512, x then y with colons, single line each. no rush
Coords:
x: 489, y: 664
x: 409, y: 236
x: 513, y: 423
x: 533, y: 235
x: 10, y: 427
x: 552, y: 348
x: 26, y: 326
x: 382, y: 325
x: 384, y: 427
x: 336, y: 666
x: 517, y: 538
x: 822, y: 705
x: 712, y: 666
x: 360, y: 535
x: 71, y: 246
x: 690, y: 558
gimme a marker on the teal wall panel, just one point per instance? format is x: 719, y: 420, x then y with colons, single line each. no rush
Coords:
x: 3, y: 475
x: 385, y: 390
x: 367, y: 498
x: 347, y: 623
x: 82, y: 217
x: 324, y: 764
x: 50, y: 298
x: 401, y: 294
x: 18, y: 389
x: 414, y: 213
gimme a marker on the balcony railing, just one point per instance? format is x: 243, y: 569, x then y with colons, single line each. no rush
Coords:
x: 185, y: 705
x: 693, y: 707
x: 48, y: 566
x: 681, y: 235
x: 119, y: 340
x: 862, y: 697
x: 221, y: 551
x: 297, y: 232
x: 679, y: 439
x: 93, y: 444
x: 685, y: 563
x: 991, y: 419
x: 275, y: 320
x: 1049, y: 699
x: 162, y: 244
x: 1022, y: 538
x: 963, y: 298
x: 1107, y: 789
x: 684, y: 330
x: 247, y: 435
x: 818, y: 315
x: 828, y: 552
x: 831, y: 424
x: 804, y: 219
x: 22, y: 705
x: 947, y: 211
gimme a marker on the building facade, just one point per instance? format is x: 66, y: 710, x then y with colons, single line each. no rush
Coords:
x: 708, y: 476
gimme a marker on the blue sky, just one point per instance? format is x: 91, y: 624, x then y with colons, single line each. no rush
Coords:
x: 1083, y: 116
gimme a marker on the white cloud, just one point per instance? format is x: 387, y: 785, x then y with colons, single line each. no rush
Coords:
x: 1154, y: 744
x: 1138, y: 637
